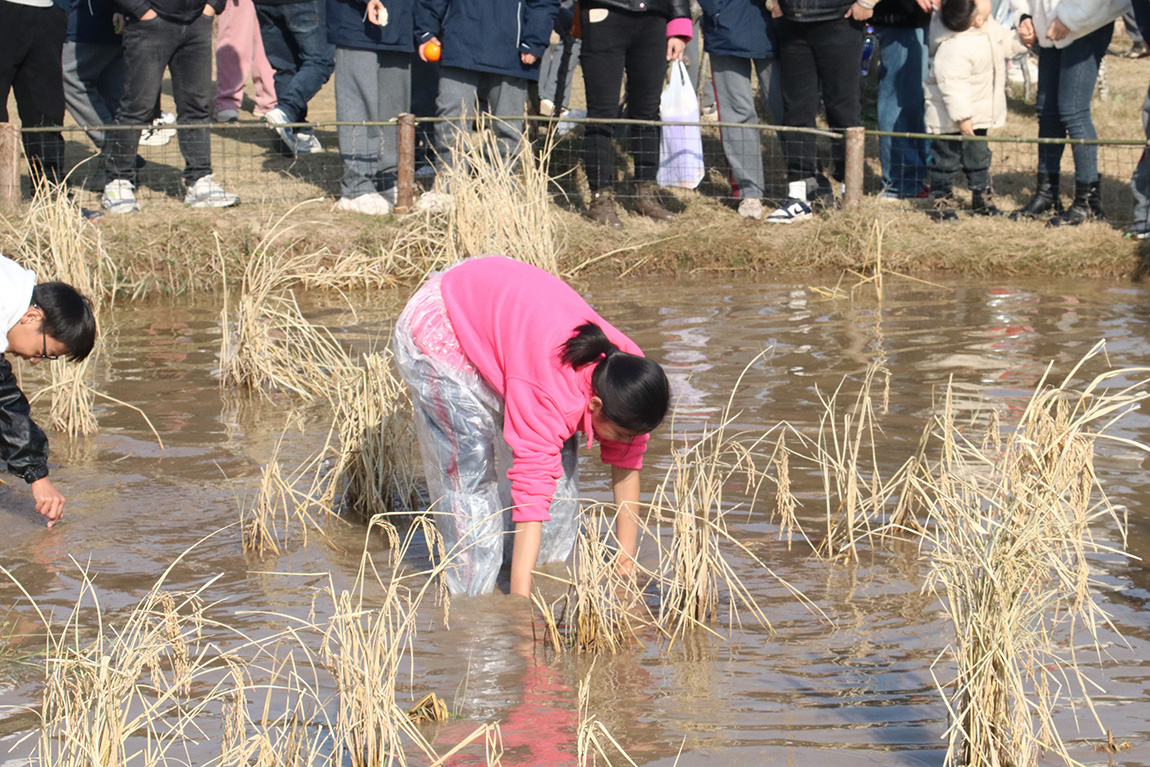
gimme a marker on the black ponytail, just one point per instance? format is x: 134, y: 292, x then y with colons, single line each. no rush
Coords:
x: 634, y: 389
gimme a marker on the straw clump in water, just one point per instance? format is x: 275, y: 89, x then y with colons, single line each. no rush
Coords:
x: 268, y: 344
x: 1010, y: 537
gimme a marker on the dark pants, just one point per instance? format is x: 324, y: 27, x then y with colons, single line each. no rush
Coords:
x: 818, y: 56
x: 295, y: 41
x: 31, y: 44
x: 1066, y: 80
x: 186, y: 51
x: 637, y: 43
x: 947, y: 158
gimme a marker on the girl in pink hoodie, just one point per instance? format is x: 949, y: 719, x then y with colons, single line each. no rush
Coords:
x: 506, y: 363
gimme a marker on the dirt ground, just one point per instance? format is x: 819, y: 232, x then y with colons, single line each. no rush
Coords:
x: 706, y: 235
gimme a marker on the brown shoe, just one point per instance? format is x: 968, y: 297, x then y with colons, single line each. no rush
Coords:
x: 602, y: 210
x: 647, y: 203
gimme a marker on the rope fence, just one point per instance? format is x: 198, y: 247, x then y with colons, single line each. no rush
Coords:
x: 249, y: 159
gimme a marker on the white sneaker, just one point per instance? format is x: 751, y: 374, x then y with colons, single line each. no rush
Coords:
x: 307, y: 143
x: 372, y: 204
x: 546, y: 107
x: 120, y: 197
x: 206, y: 193
x: 276, y: 119
x: 227, y: 115
x: 157, y: 135
x: 434, y: 202
x: 564, y: 127
x: 752, y: 207
x: 790, y: 211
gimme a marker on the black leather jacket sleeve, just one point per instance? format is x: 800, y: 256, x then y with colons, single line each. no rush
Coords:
x: 22, y: 443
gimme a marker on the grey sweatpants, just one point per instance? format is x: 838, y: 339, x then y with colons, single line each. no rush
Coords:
x: 736, y: 104
x: 1140, y: 184
x: 460, y: 94
x: 93, y: 84
x: 371, y: 86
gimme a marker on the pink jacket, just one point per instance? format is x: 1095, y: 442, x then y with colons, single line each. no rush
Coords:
x: 512, y: 319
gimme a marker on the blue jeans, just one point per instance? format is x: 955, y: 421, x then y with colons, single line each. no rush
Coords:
x: 1066, y: 79
x: 903, y: 54
x: 295, y: 41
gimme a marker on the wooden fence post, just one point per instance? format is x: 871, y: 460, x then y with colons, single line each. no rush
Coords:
x: 405, y: 174
x: 853, y: 173
x: 9, y: 165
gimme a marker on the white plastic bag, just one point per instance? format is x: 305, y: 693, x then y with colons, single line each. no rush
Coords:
x: 680, y: 146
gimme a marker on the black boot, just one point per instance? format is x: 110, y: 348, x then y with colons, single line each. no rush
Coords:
x: 1045, y: 199
x: 1087, y: 206
x: 981, y: 203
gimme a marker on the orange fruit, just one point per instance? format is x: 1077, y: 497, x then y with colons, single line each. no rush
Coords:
x: 432, y: 50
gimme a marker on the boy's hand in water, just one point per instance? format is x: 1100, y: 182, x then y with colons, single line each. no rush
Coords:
x: 49, y: 500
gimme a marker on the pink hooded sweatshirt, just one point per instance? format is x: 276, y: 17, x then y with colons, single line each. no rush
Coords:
x: 512, y: 320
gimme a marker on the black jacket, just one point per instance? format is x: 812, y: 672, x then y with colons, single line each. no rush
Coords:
x: 905, y: 14
x: 672, y: 9
x: 22, y: 443
x: 814, y: 10
x: 488, y: 35
x: 179, y: 11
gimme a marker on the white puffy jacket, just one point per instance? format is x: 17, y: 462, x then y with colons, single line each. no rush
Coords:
x: 1081, y: 17
x: 968, y: 76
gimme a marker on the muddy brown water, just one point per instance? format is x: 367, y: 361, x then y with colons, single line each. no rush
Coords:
x: 858, y: 692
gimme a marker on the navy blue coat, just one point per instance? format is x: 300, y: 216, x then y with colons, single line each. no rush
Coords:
x: 741, y: 28
x: 347, y: 27
x: 90, y: 21
x: 488, y: 35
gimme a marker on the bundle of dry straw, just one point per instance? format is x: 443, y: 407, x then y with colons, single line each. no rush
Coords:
x: 499, y: 202
x: 1010, y: 538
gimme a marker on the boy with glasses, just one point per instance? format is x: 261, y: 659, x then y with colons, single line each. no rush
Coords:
x: 40, y: 322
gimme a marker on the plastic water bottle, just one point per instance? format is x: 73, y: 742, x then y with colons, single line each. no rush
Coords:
x: 868, y: 50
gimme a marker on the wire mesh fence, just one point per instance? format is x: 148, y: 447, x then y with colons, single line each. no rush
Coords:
x: 253, y: 161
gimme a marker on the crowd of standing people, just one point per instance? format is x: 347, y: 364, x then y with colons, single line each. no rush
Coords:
x: 942, y: 72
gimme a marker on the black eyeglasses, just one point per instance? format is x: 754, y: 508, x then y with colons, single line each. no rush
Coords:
x: 44, y: 355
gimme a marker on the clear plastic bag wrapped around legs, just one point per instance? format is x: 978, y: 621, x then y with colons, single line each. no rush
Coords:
x: 459, y: 421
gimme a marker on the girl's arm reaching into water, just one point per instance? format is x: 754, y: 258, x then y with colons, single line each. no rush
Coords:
x: 524, y: 555
x: 625, y: 483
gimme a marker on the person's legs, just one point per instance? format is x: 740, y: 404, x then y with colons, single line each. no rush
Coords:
x: 356, y: 100
x: 93, y: 84
x: 602, y: 58
x: 694, y: 57
x: 279, y: 47
x: 457, y: 101
x: 457, y: 432
x: 945, y: 161
x: 233, y: 58
x: 902, y: 71
x: 770, y: 88
x: 1077, y: 79
x: 314, y: 56
x: 191, y: 70
x: 736, y: 104
x: 506, y: 96
x: 838, y: 48
x: 148, y: 46
x: 393, y: 97
x: 38, y: 86
x: 800, y: 99
x: 646, y: 65
x: 1140, y: 183
x: 1049, y: 117
x: 976, y: 158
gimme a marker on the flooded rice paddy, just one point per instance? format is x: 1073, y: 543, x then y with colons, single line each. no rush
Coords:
x: 860, y: 691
